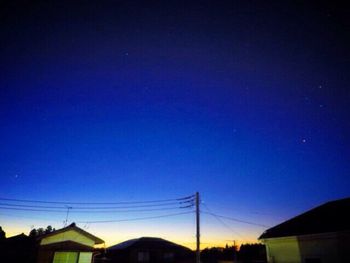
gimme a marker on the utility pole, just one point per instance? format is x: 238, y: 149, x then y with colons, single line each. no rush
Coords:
x: 198, y: 251
x: 235, y: 248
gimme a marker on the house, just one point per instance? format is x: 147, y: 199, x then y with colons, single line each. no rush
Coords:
x: 67, y: 245
x: 149, y: 249
x: 18, y: 249
x: 320, y: 235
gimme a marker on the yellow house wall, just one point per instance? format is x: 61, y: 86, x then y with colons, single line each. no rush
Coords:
x: 283, y: 250
x: 70, y: 235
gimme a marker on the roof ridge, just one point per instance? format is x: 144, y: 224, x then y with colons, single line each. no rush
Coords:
x: 72, y: 226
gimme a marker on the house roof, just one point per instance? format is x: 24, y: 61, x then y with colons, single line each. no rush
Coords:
x: 146, y: 242
x: 18, y: 239
x: 73, y: 227
x: 333, y: 216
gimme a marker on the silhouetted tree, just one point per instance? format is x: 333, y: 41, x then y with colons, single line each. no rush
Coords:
x: 2, y: 234
x: 41, y: 231
x: 215, y: 254
x: 49, y: 229
x: 33, y: 233
x: 252, y: 252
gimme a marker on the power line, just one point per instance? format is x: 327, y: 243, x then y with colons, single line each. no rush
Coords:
x: 28, y: 217
x: 147, y: 206
x: 235, y: 219
x: 181, y: 199
x: 32, y: 210
x: 134, y: 219
x: 90, y: 207
x: 248, y: 211
x: 221, y: 221
x: 94, y: 211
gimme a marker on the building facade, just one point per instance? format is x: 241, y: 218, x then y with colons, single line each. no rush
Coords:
x: 320, y: 235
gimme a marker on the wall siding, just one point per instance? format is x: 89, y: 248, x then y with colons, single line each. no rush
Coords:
x: 70, y: 235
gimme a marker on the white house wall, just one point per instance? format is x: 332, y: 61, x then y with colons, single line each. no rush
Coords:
x: 324, y: 247
x: 329, y: 248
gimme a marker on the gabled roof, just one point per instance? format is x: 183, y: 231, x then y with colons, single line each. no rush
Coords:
x: 73, y: 227
x: 146, y: 242
x: 330, y: 217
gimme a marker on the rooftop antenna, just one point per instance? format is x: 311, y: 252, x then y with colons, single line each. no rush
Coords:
x: 66, y: 221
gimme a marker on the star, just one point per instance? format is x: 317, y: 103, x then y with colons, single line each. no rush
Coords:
x: 303, y: 140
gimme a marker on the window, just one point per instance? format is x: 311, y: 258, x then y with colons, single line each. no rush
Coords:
x: 65, y: 257
x: 72, y: 257
x: 85, y: 257
x: 143, y: 256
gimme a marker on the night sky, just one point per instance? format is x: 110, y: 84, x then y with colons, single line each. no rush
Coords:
x: 246, y: 102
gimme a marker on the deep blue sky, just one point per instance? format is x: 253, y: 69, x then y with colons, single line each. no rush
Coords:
x: 246, y: 102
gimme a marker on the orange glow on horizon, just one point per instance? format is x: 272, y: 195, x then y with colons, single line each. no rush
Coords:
x: 110, y: 238
x: 177, y: 232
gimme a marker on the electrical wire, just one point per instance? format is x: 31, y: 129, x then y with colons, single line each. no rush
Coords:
x: 160, y: 205
x: 72, y: 210
x: 135, y: 219
x: 222, y: 221
x: 89, y: 207
x: 235, y: 219
x: 97, y: 203
x: 32, y: 209
x: 29, y: 217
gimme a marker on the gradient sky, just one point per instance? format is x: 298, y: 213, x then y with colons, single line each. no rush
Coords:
x: 246, y: 102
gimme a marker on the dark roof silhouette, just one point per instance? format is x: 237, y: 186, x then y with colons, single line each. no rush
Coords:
x: 146, y: 242
x: 18, y: 240
x: 18, y: 237
x: 333, y: 216
x: 73, y: 227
